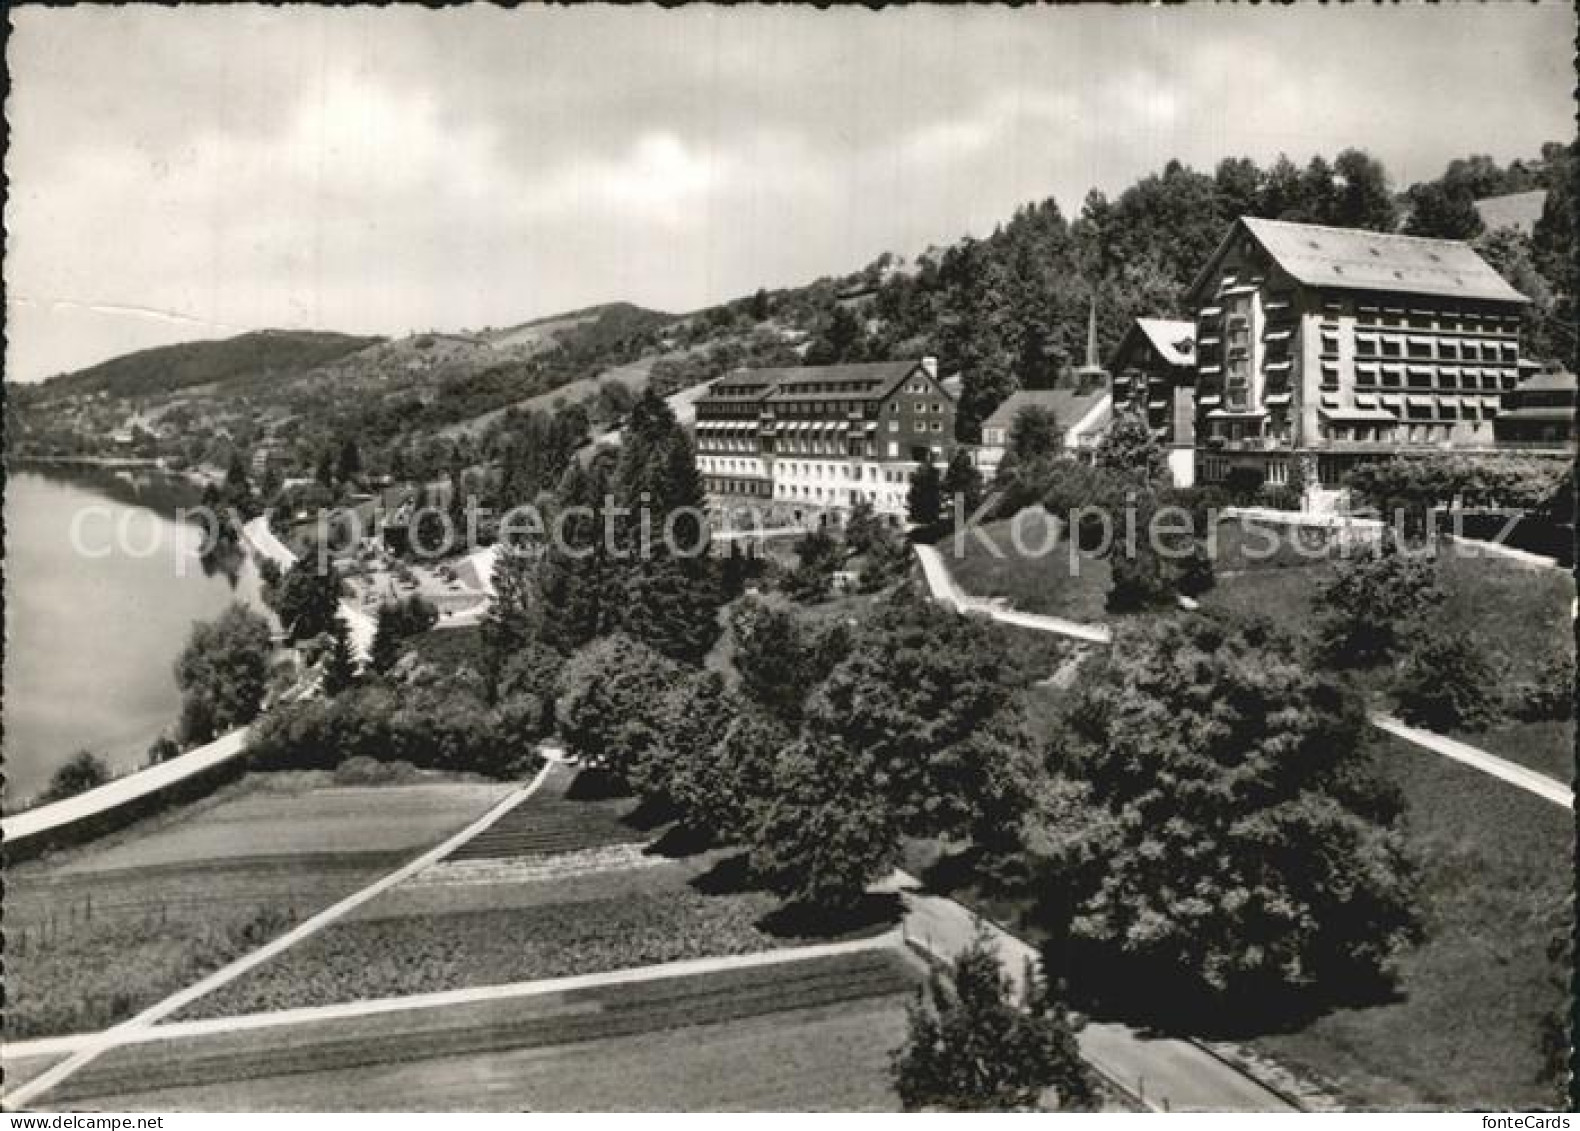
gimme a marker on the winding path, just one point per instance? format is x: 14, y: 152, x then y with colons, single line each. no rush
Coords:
x: 944, y: 588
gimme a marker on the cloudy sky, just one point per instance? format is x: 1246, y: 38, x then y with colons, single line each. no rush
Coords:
x: 180, y: 172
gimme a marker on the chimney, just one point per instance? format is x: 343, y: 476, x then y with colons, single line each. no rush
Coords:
x: 930, y: 367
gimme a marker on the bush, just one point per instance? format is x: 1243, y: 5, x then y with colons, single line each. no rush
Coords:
x: 438, y: 728
x: 83, y: 771
x: 1369, y: 603
x: 1551, y: 695
x: 611, y: 703
x: 971, y: 1046
x: 162, y: 749
x: 1446, y: 684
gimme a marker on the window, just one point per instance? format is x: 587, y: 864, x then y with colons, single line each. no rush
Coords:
x: 894, y: 426
x: 920, y: 426
x: 938, y: 426
x: 1330, y: 339
x: 1392, y: 346
x: 894, y: 450
x: 1330, y: 375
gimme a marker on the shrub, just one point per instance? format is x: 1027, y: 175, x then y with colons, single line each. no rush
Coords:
x: 1551, y: 695
x: 971, y: 1046
x: 1370, y: 601
x: 1446, y: 683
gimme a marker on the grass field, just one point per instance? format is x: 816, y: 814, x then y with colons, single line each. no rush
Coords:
x: 98, y: 933
x: 812, y: 1034
x: 1058, y: 583
x: 560, y: 886
x: 1464, y: 1032
x: 1519, y: 612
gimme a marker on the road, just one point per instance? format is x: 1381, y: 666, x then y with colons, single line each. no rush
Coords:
x: 944, y: 588
x: 361, y: 626
x: 1163, y: 1072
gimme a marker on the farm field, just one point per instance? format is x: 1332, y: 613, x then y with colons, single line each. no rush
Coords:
x: 1464, y: 1032
x: 809, y: 1034
x: 104, y: 930
x: 561, y: 885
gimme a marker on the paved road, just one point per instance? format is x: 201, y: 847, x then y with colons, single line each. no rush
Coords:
x: 942, y: 586
x: 361, y: 626
x: 96, y: 1044
x: 1163, y: 1072
x: 42, y: 818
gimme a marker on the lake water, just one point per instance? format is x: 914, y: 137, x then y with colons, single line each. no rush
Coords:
x: 91, y: 641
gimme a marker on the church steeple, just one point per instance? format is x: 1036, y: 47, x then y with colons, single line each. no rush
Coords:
x: 1091, y: 336
x: 1092, y: 373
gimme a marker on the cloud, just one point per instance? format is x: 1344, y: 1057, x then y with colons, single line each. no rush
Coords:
x: 396, y: 169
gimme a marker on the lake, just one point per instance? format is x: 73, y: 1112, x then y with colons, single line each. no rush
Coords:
x: 93, y: 631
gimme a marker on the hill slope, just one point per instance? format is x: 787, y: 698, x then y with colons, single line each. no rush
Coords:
x: 164, y: 369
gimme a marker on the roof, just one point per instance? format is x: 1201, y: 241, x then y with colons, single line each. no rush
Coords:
x: 1556, y: 413
x: 1517, y: 210
x: 856, y: 381
x: 1067, y: 406
x: 1356, y: 259
x: 1174, y: 341
x: 1556, y: 381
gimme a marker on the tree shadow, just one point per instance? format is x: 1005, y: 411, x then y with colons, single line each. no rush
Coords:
x: 592, y: 784
x: 678, y: 842
x: 649, y: 815
x: 1172, y: 1003
x: 873, y: 914
x: 731, y: 875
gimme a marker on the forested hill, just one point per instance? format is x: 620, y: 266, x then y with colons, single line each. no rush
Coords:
x: 164, y: 369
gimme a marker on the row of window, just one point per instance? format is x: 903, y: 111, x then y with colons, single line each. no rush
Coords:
x: 715, y: 486
x: 1420, y: 347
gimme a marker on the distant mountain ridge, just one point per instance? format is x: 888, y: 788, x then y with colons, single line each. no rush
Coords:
x: 278, y: 355
x: 166, y: 369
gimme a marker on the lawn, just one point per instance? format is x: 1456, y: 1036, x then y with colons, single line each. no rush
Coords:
x: 95, y: 934
x: 812, y: 1034
x: 1520, y: 613
x: 1463, y: 1034
x: 1059, y: 582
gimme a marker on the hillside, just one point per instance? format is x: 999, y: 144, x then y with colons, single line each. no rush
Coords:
x: 165, y: 369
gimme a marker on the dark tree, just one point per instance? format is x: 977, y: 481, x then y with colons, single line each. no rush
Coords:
x: 972, y: 1044
x: 340, y: 661
x: 81, y: 772
x: 924, y: 501
x: 962, y: 486
x: 307, y: 600
x: 1223, y: 836
x: 1372, y: 599
x: 223, y: 672
x: 1447, y: 683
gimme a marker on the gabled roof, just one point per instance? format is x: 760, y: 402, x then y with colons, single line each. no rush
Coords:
x: 1355, y: 259
x: 1174, y: 341
x: 1068, y: 406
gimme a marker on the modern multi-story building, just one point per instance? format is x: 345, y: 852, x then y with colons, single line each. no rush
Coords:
x: 1154, y: 368
x: 815, y: 439
x: 1330, y: 345
x: 1539, y: 414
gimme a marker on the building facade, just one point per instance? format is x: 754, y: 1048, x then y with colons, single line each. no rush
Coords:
x: 1154, y: 368
x: 1538, y: 415
x: 1328, y: 346
x: 1083, y: 412
x: 810, y: 440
